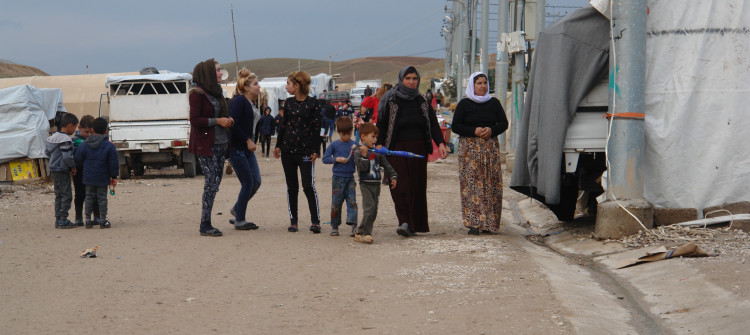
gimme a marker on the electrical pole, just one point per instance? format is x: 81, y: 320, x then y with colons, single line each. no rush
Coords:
x: 472, y: 15
x: 519, y: 71
x: 626, y: 143
x: 501, y: 62
x: 484, y: 44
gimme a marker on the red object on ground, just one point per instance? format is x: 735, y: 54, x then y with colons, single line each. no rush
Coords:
x: 435, y: 150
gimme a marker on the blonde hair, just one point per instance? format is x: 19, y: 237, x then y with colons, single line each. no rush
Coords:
x: 245, y: 78
x: 302, y: 79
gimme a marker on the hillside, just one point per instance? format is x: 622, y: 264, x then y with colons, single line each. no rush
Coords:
x: 385, y: 68
x: 8, y: 70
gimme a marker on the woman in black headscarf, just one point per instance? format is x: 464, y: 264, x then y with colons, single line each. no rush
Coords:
x: 407, y: 122
x: 209, y: 120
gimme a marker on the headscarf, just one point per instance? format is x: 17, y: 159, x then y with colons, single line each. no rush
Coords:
x: 400, y: 90
x: 204, y: 75
x: 470, y: 90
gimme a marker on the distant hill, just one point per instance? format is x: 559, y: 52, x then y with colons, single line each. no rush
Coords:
x: 9, y: 70
x: 385, y: 68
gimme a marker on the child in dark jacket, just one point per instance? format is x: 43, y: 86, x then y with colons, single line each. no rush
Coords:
x: 80, y: 136
x: 339, y: 153
x: 267, y: 127
x: 98, y: 157
x: 369, y: 164
x: 59, y: 149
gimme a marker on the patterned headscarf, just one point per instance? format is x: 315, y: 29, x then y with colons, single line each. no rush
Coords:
x: 470, y: 90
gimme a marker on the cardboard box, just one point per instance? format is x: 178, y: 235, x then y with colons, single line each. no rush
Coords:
x: 24, y: 169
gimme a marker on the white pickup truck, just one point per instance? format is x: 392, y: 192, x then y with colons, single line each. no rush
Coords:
x: 149, y: 122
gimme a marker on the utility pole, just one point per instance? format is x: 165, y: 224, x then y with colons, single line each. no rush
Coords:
x: 501, y: 62
x: 541, y: 17
x: 484, y: 44
x: 461, y: 49
x: 472, y: 15
x: 627, y: 139
x: 519, y: 70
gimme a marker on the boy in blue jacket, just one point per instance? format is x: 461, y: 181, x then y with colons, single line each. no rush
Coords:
x: 339, y: 153
x: 98, y: 157
x: 59, y: 149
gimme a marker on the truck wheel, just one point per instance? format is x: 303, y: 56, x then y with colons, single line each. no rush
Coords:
x: 139, y: 170
x: 124, y: 172
x: 189, y: 169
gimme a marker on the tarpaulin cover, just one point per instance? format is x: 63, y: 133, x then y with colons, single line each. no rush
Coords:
x: 25, y: 112
x: 697, y: 98
x: 150, y: 77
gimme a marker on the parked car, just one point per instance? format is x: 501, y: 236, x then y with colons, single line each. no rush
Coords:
x: 357, y: 95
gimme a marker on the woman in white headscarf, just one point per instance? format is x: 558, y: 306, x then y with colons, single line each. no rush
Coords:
x: 478, y: 120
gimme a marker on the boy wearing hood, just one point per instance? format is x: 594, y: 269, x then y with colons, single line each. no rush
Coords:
x: 59, y: 149
x: 98, y: 157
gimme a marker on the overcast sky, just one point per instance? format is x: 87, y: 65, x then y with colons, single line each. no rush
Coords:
x: 63, y: 37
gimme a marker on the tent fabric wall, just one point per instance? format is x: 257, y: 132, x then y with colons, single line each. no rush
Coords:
x: 696, y: 96
x: 25, y: 112
x: 82, y: 92
x: 276, y: 89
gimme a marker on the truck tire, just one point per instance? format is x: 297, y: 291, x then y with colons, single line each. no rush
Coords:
x: 124, y: 172
x: 189, y: 169
x: 139, y: 170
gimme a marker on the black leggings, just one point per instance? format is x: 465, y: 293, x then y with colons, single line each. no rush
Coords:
x: 290, y: 163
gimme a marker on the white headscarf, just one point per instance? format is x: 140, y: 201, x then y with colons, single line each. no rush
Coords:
x: 470, y: 90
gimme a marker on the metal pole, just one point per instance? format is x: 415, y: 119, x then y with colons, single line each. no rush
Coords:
x: 519, y: 70
x: 541, y: 17
x: 472, y: 35
x: 501, y: 63
x: 484, y: 46
x: 236, y: 57
x: 461, y: 36
x: 628, y: 71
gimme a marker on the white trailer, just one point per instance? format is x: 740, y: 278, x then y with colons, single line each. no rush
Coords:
x: 149, y: 122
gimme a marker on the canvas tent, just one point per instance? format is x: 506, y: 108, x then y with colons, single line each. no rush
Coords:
x: 275, y: 87
x: 696, y: 91
x: 25, y: 112
x: 82, y: 92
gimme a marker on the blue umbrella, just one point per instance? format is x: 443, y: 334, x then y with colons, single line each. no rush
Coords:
x: 384, y: 151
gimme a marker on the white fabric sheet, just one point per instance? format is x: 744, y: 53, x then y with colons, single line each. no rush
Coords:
x: 697, y: 98
x: 25, y: 112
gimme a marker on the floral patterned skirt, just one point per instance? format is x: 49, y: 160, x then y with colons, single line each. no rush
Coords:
x: 481, y: 178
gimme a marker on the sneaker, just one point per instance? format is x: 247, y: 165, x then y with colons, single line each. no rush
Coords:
x: 79, y: 222
x: 65, y: 224
x: 244, y: 225
x: 292, y: 228
x: 315, y: 228
x: 89, y: 224
x: 473, y: 231
x: 335, y: 232
x: 104, y: 224
x: 57, y: 223
x: 403, y: 230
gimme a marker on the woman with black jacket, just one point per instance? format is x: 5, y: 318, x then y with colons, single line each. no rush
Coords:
x: 297, y: 144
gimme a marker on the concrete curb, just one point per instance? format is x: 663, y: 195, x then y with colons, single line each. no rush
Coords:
x: 674, y: 292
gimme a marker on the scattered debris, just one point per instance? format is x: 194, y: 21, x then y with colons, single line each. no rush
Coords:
x: 90, y: 253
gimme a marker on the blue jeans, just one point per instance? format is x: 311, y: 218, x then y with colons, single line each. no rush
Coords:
x: 331, y: 126
x: 343, y: 188
x: 246, y: 167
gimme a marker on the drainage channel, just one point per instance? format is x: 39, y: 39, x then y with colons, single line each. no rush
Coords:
x: 628, y: 296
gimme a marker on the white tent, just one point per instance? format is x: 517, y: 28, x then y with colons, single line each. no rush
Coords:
x: 25, y: 112
x: 276, y: 89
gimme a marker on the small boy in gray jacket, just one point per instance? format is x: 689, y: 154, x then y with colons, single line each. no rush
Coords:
x: 62, y: 165
x: 369, y: 164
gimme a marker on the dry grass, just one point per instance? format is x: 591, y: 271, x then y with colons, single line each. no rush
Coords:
x: 16, y: 70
